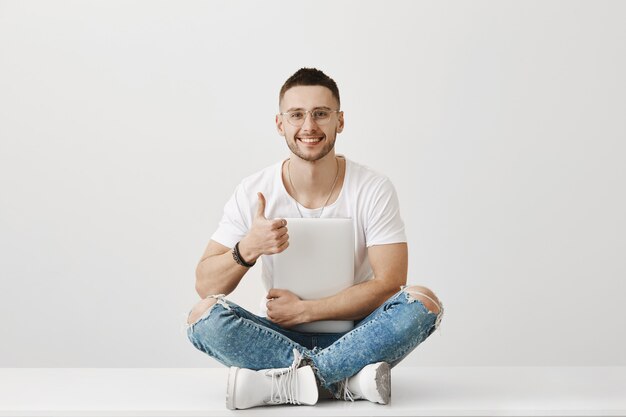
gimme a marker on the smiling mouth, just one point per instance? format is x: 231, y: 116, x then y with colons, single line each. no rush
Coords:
x: 310, y: 140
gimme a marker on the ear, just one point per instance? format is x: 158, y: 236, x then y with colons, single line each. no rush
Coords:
x: 340, y: 124
x: 279, y: 125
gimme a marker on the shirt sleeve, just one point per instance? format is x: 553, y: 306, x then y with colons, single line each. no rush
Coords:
x: 236, y: 219
x: 384, y: 223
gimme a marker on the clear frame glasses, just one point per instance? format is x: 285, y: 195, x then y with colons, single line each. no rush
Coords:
x: 297, y: 117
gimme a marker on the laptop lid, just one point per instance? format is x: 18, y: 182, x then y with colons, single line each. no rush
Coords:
x: 318, y: 263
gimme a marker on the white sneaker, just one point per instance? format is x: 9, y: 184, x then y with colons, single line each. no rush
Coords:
x: 372, y: 383
x: 248, y: 388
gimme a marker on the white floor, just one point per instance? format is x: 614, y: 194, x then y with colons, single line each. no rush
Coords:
x: 428, y: 391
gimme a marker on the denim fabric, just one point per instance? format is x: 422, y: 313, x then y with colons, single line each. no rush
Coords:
x: 236, y: 337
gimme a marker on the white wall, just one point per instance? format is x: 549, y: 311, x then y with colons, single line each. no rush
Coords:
x: 124, y: 127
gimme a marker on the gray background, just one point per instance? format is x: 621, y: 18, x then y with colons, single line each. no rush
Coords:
x: 125, y: 126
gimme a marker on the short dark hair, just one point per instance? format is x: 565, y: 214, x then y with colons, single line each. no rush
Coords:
x: 310, y: 76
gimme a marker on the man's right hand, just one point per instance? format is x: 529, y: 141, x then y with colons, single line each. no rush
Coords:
x: 266, y: 237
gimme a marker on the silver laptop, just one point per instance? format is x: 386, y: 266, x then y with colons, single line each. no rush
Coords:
x: 318, y: 263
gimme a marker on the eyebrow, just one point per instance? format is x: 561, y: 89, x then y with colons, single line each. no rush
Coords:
x: 302, y: 109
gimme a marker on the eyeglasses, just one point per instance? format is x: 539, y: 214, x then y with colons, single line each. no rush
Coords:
x: 297, y: 117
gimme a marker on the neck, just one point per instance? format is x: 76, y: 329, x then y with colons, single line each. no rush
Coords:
x: 323, y: 185
x: 313, y: 179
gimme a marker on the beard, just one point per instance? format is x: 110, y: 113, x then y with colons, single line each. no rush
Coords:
x: 328, y: 146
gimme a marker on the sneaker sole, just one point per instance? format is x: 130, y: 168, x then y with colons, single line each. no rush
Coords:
x: 230, y: 390
x: 383, y: 382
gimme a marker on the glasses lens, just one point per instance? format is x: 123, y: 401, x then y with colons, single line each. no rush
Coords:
x: 321, y: 117
x: 296, y: 118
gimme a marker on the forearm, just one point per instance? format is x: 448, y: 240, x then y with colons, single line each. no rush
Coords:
x: 220, y: 274
x: 353, y: 303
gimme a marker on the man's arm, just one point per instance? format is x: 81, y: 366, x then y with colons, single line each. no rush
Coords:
x: 390, y: 266
x: 218, y: 273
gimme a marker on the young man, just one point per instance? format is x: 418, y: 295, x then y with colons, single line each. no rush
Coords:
x: 271, y: 363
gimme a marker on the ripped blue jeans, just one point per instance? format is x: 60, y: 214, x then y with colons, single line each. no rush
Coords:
x: 236, y: 337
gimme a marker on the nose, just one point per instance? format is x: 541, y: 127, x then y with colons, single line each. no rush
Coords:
x: 309, y: 123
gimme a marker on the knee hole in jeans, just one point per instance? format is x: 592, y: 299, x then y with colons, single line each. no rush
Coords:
x: 199, y: 309
x: 426, y: 296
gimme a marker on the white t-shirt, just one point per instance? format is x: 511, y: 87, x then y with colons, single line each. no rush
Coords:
x: 366, y: 197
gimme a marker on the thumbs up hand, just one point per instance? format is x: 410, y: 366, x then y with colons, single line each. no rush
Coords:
x: 266, y: 237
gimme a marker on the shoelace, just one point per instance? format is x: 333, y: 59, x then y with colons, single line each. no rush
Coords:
x: 285, y: 382
x: 347, y: 394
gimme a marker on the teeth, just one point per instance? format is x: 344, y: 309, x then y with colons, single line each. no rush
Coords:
x: 310, y: 140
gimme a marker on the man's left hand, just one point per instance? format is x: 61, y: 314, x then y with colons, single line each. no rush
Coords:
x: 285, y: 308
